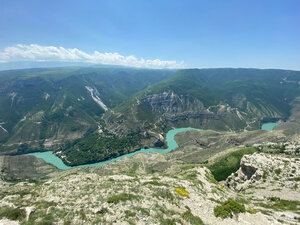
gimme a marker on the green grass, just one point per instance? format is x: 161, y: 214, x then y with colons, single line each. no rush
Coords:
x: 167, y: 221
x: 280, y: 205
x: 155, y: 183
x: 129, y: 213
x: 164, y: 193
x: 123, y: 197
x: 228, y: 209
x: 228, y: 164
x: 193, y: 220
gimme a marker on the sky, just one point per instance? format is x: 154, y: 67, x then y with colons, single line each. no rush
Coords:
x: 153, y: 34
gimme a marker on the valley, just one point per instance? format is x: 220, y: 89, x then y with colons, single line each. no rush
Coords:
x: 239, y: 164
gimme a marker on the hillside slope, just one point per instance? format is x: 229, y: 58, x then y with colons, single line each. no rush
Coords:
x: 45, y: 108
x: 219, y: 99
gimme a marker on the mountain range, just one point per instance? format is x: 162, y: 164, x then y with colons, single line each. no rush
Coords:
x: 89, y: 114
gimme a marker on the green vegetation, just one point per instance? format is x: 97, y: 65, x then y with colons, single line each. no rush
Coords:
x: 12, y: 213
x: 228, y: 208
x: 277, y: 171
x: 53, y: 103
x: 95, y: 148
x: 168, y: 221
x: 281, y: 205
x: 56, y: 102
x: 164, y: 193
x: 228, y: 164
x: 210, y: 178
x: 123, y: 197
x: 190, y: 218
x: 129, y: 213
x: 155, y: 183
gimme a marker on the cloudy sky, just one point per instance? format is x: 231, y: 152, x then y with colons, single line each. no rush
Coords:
x: 153, y: 34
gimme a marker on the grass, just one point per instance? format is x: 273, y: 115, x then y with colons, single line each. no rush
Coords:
x: 168, y: 222
x: 210, y: 177
x: 155, y: 183
x: 182, y: 192
x: 229, y: 163
x: 129, y: 213
x: 280, y: 204
x: 123, y: 197
x: 143, y: 211
x: 191, y: 219
x: 164, y: 193
x: 229, y: 208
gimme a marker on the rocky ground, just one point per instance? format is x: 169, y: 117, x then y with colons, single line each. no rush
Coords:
x: 142, y: 190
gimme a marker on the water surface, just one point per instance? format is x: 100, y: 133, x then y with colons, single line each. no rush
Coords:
x: 49, y: 157
x: 269, y: 126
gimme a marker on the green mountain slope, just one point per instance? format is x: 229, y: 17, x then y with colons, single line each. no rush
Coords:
x: 221, y: 99
x: 45, y: 108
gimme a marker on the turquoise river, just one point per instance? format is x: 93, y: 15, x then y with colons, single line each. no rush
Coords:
x: 268, y: 126
x: 49, y: 157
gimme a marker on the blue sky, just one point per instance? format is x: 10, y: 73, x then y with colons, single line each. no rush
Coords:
x: 212, y: 33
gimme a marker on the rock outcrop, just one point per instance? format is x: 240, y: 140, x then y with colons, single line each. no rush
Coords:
x: 259, y: 168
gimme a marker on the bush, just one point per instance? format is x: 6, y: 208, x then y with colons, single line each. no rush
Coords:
x: 228, y: 208
x: 12, y: 213
x: 277, y: 171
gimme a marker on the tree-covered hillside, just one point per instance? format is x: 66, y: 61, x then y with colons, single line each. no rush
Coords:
x: 44, y: 108
x: 91, y: 114
x: 220, y: 99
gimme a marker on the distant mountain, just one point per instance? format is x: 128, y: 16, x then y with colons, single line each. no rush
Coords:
x: 47, y: 107
x: 48, y: 64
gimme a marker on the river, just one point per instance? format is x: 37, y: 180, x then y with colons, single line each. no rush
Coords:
x: 49, y: 157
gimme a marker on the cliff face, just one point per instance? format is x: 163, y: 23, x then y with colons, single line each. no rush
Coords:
x: 162, y: 111
x: 263, y: 170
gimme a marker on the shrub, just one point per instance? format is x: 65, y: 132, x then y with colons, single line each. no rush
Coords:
x: 12, y: 213
x: 228, y: 208
x: 182, y: 192
x: 278, y: 171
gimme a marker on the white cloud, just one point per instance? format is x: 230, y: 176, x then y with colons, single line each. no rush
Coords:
x: 36, y: 52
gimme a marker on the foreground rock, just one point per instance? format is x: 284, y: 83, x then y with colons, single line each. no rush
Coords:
x: 137, y: 190
x: 258, y: 169
x: 272, y: 183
